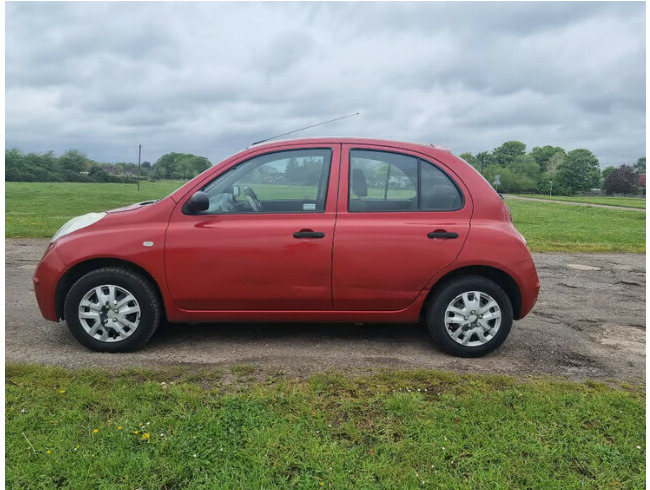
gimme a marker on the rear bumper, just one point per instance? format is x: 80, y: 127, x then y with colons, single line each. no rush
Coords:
x: 529, y: 287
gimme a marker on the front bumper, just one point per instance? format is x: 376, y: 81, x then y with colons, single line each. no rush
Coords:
x: 46, y: 277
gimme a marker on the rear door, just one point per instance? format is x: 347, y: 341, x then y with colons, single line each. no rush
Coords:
x: 401, y: 220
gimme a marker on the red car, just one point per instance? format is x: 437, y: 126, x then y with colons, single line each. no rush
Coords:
x: 308, y: 230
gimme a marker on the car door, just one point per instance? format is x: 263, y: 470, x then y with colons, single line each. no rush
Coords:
x: 265, y: 242
x: 401, y: 220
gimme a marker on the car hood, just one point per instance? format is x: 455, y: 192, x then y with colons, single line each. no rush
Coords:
x: 131, y: 207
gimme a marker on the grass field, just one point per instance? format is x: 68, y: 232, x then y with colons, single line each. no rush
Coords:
x: 173, y: 428
x: 39, y: 209
x: 558, y: 227
x: 626, y: 202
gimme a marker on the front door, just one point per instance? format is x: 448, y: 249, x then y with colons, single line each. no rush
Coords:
x: 401, y: 221
x: 265, y: 242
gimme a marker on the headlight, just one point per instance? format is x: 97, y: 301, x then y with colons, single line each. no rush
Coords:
x: 77, y: 223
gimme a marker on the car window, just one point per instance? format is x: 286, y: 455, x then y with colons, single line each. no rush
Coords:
x: 292, y: 181
x: 437, y: 191
x: 386, y: 181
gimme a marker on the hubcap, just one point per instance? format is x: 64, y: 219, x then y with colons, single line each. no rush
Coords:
x: 109, y: 313
x: 472, y: 318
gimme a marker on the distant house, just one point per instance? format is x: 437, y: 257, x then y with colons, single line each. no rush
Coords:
x: 641, y: 182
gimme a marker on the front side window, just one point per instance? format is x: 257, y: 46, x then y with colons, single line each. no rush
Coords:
x: 385, y: 181
x: 292, y: 181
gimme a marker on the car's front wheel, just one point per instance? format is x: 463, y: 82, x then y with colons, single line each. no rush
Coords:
x: 112, y: 310
x: 470, y: 316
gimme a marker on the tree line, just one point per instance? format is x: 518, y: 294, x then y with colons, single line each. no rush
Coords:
x: 542, y: 170
x: 75, y: 166
x: 549, y: 168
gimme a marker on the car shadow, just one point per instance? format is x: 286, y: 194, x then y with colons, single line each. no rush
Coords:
x: 289, y: 333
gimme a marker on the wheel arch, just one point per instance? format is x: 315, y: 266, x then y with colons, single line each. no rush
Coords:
x: 83, y: 268
x: 500, y: 277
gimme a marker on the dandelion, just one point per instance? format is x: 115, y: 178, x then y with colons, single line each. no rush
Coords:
x: 76, y: 448
x: 95, y: 431
x: 145, y: 436
x: 195, y: 455
x: 119, y: 427
x: 49, y: 451
x: 136, y: 431
x: 61, y: 391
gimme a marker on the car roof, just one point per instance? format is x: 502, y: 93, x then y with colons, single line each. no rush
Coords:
x: 351, y: 140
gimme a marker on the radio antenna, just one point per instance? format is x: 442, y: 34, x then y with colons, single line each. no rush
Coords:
x: 307, y: 127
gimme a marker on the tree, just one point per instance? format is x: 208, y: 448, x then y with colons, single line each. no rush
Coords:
x: 483, y: 159
x: 13, y: 164
x: 639, y: 166
x: 98, y: 174
x: 578, y: 172
x: 507, y: 152
x: 606, y: 171
x: 73, y: 161
x: 621, y: 181
x: 179, y: 166
x: 543, y: 155
x: 469, y: 158
x: 553, y: 163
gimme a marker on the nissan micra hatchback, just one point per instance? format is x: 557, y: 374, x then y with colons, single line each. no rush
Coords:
x: 310, y: 230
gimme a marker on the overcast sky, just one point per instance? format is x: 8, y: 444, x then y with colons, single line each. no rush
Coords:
x: 211, y: 78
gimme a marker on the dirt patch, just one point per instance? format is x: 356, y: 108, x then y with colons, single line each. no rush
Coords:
x: 589, y: 323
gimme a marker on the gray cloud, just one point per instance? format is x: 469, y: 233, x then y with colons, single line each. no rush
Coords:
x: 210, y: 78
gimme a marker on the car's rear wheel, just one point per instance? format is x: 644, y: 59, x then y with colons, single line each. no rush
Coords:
x: 112, y: 310
x: 470, y: 316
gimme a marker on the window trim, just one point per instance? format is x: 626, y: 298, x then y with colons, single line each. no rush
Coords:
x: 325, y: 173
x: 420, y: 161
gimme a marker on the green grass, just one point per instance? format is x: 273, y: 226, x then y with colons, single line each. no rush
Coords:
x: 39, y: 209
x: 396, y: 429
x: 626, y: 202
x: 558, y: 227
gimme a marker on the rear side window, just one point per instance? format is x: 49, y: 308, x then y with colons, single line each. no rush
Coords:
x: 385, y: 181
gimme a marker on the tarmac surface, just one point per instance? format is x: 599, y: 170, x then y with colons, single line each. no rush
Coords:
x: 589, y: 323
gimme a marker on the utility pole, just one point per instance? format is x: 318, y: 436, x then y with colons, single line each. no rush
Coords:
x: 139, y: 155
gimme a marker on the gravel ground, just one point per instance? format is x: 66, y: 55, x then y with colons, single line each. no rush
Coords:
x: 589, y: 323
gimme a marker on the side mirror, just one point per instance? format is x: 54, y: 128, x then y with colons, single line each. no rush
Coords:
x: 198, y: 202
x: 235, y: 190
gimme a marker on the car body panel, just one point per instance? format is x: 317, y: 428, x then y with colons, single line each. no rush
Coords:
x: 252, y: 261
x: 383, y: 260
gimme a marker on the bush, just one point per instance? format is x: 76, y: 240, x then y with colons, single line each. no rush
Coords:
x: 621, y: 181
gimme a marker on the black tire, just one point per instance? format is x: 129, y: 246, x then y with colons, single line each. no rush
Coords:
x: 119, y: 330
x: 450, y: 296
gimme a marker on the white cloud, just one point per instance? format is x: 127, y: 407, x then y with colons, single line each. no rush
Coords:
x: 210, y: 78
